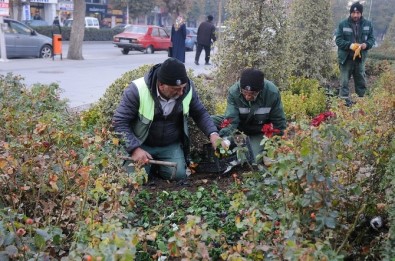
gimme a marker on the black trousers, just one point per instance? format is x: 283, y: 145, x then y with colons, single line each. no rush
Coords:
x: 207, y: 49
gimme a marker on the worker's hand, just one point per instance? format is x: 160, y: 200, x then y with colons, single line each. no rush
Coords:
x: 363, y: 46
x: 141, y: 156
x: 354, y: 46
x: 215, y: 139
x: 357, y: 53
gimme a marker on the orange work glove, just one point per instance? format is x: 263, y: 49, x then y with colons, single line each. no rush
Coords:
x: 357, y: 52
x: 355, y: 46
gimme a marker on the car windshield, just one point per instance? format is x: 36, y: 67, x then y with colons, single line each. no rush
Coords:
x: 136, y: 29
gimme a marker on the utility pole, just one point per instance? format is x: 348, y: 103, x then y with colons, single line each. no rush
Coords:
x: 4, y: 11
x: 127, y: 13
x: 219, y: 18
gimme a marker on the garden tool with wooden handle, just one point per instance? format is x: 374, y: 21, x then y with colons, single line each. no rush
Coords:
x: 172, y: 165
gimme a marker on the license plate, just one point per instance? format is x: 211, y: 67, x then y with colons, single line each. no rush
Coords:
x: 124, y: 41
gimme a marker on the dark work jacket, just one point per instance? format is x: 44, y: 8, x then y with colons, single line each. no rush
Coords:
x: 206, y: 33
x: 345, y: 36
x: 267, y: 108
x: 127, y: 116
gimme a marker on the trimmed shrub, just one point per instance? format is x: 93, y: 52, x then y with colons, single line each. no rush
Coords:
x: 304, y: 97
x: 91, y: 34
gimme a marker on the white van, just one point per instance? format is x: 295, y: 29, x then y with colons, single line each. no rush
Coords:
x: 90, y: 22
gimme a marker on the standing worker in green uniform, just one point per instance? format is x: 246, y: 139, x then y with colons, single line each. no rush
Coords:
x: 354, y: 37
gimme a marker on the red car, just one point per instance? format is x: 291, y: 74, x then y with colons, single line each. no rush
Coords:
x: 144, y: 38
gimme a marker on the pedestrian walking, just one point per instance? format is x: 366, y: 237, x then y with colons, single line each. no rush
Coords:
x: 205, y: 36
x: 178, y: 36
x: 354, y: 37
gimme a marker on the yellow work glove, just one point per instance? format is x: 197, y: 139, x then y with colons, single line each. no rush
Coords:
x: 357, y: 52
x: 355, y: 46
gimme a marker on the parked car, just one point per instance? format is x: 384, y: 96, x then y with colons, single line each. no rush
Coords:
x: 23, y: 41
x: 120, y: 26
x: 90, y: 22
x: 144, y: 38
x: 191, y: 40
x: 35, y: 23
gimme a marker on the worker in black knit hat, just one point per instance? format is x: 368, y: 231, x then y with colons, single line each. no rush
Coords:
x: 152, y: 119
x: 354, y: 37
x: 252, y: 103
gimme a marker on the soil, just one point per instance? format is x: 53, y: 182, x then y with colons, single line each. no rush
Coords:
x: 195, y: 180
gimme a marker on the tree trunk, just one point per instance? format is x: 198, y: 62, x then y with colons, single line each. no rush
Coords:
x: 77, y: 31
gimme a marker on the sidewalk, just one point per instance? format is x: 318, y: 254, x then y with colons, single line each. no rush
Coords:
x: 85, y: 81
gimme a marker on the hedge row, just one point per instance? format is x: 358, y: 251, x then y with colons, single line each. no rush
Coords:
x: 91, y: 34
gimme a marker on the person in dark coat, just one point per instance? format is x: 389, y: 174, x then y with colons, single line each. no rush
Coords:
x: 178, y: 36
x: 37, y: 16
x: 152, y: 118
x: 56, y: 21
x: 205, y: 34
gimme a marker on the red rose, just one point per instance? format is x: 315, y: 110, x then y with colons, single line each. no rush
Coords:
x: 321, y: 118
x: 318, y: 120
x: 268, y: 130
x: 225, y: 123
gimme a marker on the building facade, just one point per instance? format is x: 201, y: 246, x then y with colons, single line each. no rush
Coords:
x: 107, y: 15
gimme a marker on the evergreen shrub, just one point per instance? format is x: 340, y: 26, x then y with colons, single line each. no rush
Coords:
x: 304, y: 97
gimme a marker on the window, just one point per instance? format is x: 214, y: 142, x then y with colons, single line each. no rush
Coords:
x: 19, y: 28
x: 163, y: 33
x: 155, y: 32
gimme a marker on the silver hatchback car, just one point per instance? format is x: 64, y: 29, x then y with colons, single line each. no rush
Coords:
x: 23, y: 41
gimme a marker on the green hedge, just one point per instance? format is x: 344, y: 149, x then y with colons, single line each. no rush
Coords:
x: 91, y: 34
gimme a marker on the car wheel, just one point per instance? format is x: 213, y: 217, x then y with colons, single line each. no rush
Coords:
x: 46, y: 52
x: 125, y: 51
x: 149, y: 49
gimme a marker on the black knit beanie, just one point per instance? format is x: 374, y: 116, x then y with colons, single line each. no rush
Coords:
x: 172, y: 72
x: 251, y: 79
x: 356, y: 7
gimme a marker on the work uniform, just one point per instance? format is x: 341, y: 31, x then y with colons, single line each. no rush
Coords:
x: 249, y: 117
x: 349, y: 32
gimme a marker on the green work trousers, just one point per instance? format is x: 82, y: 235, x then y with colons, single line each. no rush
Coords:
x: 357, y: 70
x: 172, y: 153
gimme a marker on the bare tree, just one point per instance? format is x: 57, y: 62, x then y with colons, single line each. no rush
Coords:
x: 16, y: 9
x: 77, y: 31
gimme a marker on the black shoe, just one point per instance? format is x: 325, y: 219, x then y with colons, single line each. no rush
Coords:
x: 207, y: 63
x: 184, y: 183
x: 196, y: 62
x: 349, y: 103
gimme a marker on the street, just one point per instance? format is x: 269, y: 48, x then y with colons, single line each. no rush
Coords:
x: 85, y: 81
